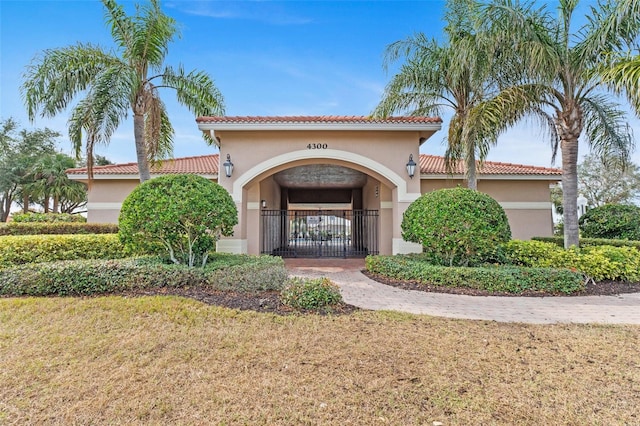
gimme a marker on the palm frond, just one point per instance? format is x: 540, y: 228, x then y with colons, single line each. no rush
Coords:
x: 52, y: 80
x: 120, y: 24
x: 195, y: 90
x: 606, y: 128
x: 153, y: 31
x: 100, y: 112
x: 158, y: 130
x: 624, y: 77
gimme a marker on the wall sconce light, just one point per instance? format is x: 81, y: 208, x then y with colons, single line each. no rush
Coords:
x: 228, y: 166
x: 264, y: 204
x: 411, y: 166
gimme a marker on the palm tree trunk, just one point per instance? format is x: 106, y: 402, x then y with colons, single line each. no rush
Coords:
x: 141, y: 152
x: 55, y: 203
x: 46, y: 204
x: 472, y: 178
x: 569, y: 126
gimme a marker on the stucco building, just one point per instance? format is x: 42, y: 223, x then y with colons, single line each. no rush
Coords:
x: 329, y: 186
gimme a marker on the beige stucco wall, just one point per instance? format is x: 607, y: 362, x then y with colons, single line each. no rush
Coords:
x: 258, y: 155
x: 105, y: 199
x: 527, y: 203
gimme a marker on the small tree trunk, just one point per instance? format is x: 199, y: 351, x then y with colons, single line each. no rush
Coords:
x: 56, y: 203
x: 141, y: 151
x: 472, y: 178
x: 569, y: 125
x: 45, y: 204
x: 25, y: 202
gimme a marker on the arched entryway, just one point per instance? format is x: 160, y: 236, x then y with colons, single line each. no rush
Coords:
x: 324, y: 210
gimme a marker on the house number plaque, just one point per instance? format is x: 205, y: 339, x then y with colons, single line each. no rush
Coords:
x: 317, y: 146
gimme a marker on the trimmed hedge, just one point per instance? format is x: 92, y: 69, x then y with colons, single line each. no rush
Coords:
x: 585, y: 242
x: 596, y: 262
x: 22, y: 249
x: 90, y: 277
x: 47, y: 228
x: 611, y: 221
x: 509, y: 279
x: 47, y: 217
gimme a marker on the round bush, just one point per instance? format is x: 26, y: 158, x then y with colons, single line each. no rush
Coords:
x: 612, y: 221
x: 457, y: 226
x: 179, y: 216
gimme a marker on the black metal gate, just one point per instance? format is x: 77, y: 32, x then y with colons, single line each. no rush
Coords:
x: 319, y: 233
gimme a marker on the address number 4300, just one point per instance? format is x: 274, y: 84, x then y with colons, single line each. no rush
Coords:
x: 317, y: 146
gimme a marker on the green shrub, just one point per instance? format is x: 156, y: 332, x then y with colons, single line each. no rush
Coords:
x: 21, y: 249
x: 246, y: 273
x: 456, y: 226
x: 613, y: 221
x: 509, y: 279
x: 47, y: 217
x: 596, y: 262
x: 310, y: 293
x: 586, y: 242
x: 40, y: 228
x: 178, y: 216
x: 89, y: 277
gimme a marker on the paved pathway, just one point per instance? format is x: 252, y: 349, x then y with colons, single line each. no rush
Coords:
x: 358, y: 290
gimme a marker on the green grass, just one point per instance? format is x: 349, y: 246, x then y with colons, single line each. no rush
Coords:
x: 168, y: 360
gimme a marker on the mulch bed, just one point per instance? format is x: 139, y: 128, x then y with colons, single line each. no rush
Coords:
x: 266, y: 301
x: 601, y: 288
x: 269, y: 301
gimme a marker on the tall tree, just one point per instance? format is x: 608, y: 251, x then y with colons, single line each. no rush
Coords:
x: 460, y: 74
x: 20, y: 151
x: 114, y: 83
x: 602, y: 182
x: 563, y: 66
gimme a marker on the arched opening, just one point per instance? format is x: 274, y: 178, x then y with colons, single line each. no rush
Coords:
x: 320, y: 210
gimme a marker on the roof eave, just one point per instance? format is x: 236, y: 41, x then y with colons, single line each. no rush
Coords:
x: 433, y: 176
x: 383, y: 127
x: 128, y: 176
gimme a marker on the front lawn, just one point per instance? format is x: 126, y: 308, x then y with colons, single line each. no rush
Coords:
x: 169, y: 360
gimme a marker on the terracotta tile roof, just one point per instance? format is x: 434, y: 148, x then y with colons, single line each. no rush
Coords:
x: 203, y: 164
x: 208, y: 165
x: 321, y: 119
x: 434, y: 165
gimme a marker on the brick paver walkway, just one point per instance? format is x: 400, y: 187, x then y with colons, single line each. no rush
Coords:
x: 358, y: 290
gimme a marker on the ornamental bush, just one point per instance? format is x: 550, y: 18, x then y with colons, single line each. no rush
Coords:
x: 22, y: 249
x: 90, y: 277
x: 47, y: 217
x: 39, y: 228
x: 614, y: 221
x: 178, y: 216
x: 310, y: 293
x: 507, y: 279
x: 600, y: 262
x: 457, y: 226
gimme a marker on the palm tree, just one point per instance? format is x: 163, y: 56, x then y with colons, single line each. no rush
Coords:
x: 459, y: 74
x: 50, y: 181
x: 115, y: 83
x: 562, y: 65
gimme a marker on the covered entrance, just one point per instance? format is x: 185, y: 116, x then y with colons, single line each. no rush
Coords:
x: 322, y: 214
x: 320, y: 233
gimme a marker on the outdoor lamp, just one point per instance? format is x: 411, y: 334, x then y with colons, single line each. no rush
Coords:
x: 264, y: 204
x: 411, y: 166
x: 228, y: 166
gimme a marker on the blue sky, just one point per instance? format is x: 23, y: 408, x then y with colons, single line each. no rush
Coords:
x: 266, y: 57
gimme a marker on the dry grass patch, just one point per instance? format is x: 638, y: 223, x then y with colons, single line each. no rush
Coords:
x: 170, y: 360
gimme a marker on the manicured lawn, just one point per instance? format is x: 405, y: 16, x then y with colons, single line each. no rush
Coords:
x: 161, y: 360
